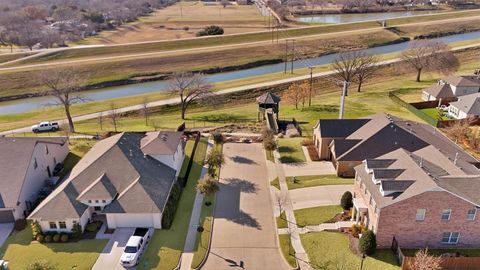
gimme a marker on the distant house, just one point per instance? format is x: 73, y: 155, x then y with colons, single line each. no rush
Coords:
x: 422, y: 199
x: 465, y: 107
x: 348, y: 142
x: 25, y: 165
x: 449, y: 88
x: 127, y: 177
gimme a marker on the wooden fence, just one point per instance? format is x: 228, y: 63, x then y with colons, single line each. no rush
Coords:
x: 449, y: 263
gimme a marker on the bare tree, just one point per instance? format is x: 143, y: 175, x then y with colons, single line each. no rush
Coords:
x: 430, y: 55
x: 190, y: 88
x: 295, y: 94
x: 424, y: 261
x: 100, y: 120
x: 367, y: 68
x: 347, y: 66
x: 114, y: 116
x: 145, y: 111
x: 62, y: 84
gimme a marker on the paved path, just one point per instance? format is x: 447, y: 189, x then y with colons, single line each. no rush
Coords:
x: 309, y: 168
x: 318, y: 196
x: 244, y: 231
x: 188, y: 249
x: 110, y: 256
x: 320, y: 227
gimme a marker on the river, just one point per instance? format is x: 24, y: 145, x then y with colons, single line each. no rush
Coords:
x: 25, y: 105
x: 360, y: 17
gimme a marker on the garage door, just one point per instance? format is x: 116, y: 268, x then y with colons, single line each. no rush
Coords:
x: 130, y: 220
x: 6, y: 216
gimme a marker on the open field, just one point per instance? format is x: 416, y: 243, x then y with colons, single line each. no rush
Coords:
x: 20, y: 251
x: 184, y: 20
x: 331, y: 249
x: 460, y: 25
x: 166, y: 246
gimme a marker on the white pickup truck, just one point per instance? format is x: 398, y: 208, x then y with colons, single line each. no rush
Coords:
x: 136, y: 245
x: 45, y: 126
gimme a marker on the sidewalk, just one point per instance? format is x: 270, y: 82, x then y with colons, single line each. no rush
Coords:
x: 188, y: 249
x: 300, y: 254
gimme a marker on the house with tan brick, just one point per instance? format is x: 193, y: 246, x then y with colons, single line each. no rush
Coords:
x: 421, y: 198
x: 348, y: 142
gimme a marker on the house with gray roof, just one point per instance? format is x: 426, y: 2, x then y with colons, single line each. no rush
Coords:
x: 421, y: 199
x: 465, y: 107
x: 26, y: 164
x: 347, y: 142
x: 126, y: 177
x: 452, y: 87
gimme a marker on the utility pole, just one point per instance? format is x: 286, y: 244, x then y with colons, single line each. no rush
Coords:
x: 342, y: 100
x: 311, y: 86
x: 286, y: 55
x: 278, y: 26
x: 293, y: 55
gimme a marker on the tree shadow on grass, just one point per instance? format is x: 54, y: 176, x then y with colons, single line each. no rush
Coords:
x: 286, y: 149
x: 290, y: 159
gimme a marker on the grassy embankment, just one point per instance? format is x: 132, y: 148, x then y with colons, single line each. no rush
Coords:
x: 166, y: 246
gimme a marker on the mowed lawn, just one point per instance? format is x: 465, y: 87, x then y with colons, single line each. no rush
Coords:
x: 290, y: 150
x: 287, y: 249
x: 330, y: 249
x: 317, y: 180
x: 316, y: 215
x: 166, y: 246
x: 20, y: 252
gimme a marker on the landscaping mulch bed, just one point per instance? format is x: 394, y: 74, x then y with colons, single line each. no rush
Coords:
x: 344, y: 216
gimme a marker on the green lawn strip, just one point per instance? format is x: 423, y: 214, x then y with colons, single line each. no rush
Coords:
x: 275, y: 183
x: 435, y: 113
x: 290, y: 150
x: 330, y: 249
x: 270, y: 156
x: 282, y: 221
x: 20, y: 252
x: 166, y: 246
x: 287, y: 249
x: 470, y: 252
x: 203, y: 238
x: 316, y: 215
x: 317, y: 180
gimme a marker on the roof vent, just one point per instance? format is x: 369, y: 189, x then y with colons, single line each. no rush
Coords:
x: 164, y: 137
x: 456, y: 159
x: 421, y: 162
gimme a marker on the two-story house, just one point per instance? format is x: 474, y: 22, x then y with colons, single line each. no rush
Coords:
x: 25, y: 165
x: 422, y: 199
x: 452, y: 87
x: 127, y: 177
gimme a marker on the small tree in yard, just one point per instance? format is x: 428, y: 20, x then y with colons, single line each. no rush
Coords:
x: 368, y: 243
x: 190, y: 88
x: 367, y: 68
x: 295, y: 94
x: 113, y: 115
x: 41, y: 265
x: 207, y: 186
x: 423, y: 261
x: 214, y: 160
x: 268, y: 137
x: 347, y: 200
x: 62, y: 85
x: 145, y: 111
x: 430, y: 55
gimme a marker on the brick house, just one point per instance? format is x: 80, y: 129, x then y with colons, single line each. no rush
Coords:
x: 422, y: 198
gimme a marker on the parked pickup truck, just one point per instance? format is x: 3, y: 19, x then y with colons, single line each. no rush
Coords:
x: 136, y: 245
x: 45, y: 126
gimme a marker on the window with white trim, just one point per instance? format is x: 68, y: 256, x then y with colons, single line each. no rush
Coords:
x: 446, y: 213
x: 53, y: 225
x: 450, y: 237
x: 471, y: 214
x: 62, y: 224
x: 420, y: 216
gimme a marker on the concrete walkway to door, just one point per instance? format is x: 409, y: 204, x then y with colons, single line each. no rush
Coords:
x: 244, y: 231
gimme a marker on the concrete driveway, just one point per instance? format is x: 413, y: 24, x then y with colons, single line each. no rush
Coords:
x: 5, y: 230
x: 309, y: 168
x: 244, y: 232
x: 318, y: 196
x: 110, y: 256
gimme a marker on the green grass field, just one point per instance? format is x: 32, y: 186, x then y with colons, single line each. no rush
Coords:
x: 282, y: 221
x: 317, y: 180
x: 166, y: 246
x: 290, y: 150
x: 435, y: 113
x: 330, y: 249
x: 287, y: 249
x: 20, y: 252
x: 203, y: 238
x: 316, y: 215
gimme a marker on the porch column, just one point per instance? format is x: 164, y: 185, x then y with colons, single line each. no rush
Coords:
x: 357, y: 219
x: 354, y: 212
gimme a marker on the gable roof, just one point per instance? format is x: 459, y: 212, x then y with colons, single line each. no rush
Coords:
x: 15, y: 158
x: 440, y: 90
x: 470, y: 104
x: 339, y: 128
x: 114, y: 168
x: 268, y: 98
x: 463, y: 81
x: 161, y: 142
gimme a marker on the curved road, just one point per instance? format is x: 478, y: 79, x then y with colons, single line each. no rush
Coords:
x: 244, y: 230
